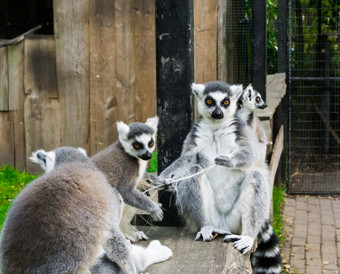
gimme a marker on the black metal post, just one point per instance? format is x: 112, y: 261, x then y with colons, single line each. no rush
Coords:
x: 260, y: 46
x: 282, y: 36
x: 174, y: 61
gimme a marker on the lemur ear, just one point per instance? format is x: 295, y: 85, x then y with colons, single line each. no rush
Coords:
x: 237, y: 91
x: 197, y: 89
x: 152, y: 122
x: 82, y: 151
x: 123, y: 129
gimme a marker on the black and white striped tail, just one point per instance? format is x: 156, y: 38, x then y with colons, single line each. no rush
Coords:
x: 266, y: 258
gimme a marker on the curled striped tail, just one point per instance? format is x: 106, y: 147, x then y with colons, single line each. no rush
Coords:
x: 266, y: 258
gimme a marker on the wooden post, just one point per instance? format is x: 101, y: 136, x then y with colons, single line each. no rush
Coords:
x: 174, y: 63
x: 260, y: 46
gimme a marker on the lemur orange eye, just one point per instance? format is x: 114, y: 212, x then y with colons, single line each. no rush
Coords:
x: 226, y: 102
x: 136, y: 146
x: 209, y: 102
x: 151, y: 144
x: 258, y: 99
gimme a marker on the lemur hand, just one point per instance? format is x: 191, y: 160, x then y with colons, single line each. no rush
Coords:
x: 157, y: 214
x: 224, y: 161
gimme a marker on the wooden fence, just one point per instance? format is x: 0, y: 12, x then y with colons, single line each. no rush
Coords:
x: 99, y: 67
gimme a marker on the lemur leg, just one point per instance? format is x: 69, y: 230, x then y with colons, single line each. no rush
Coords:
x: 195, y: 202
x: 118, y: 250
x: 127, y: 228
x: 253, y: 206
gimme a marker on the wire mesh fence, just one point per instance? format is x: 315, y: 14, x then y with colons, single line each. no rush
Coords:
x: 314, y: 96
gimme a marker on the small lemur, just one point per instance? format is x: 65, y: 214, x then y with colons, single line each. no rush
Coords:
x: 124, y: 164
x: 249, y: 101
x: 232, y: 196
x: 67, y: 221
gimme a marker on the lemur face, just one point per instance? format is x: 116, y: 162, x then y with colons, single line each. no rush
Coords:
x: 138, y: 139
x: 216, y: 100
x: 252, y: 98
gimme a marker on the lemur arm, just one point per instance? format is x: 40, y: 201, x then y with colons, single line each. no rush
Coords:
x: 135, y: 198
x: 241, y: 159
x: 176, y: 168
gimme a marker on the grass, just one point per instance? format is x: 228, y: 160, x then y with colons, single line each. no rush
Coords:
x: 278, y: 202
x: 11, y: 182
x: 152, y: 163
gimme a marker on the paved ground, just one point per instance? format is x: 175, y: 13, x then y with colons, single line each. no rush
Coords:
x: 312, y: 228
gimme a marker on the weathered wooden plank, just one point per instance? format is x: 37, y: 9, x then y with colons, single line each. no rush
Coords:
x: 42, y: 126
x: 145, y: 58
x: 71, y: 27
x: 16, y: 101
x: 221, y: 40
x: 205, y: 35
x: 42, y: 110
x: 19, y: 139
x: 276, y: 89
x: 6, y: 138
x: 40, y: 65
x: 103, y: 103
x: 190, y: 256
x: 3, y: 80
x: 125, y: 62
x: 276, y: 155
x: 16, y: 76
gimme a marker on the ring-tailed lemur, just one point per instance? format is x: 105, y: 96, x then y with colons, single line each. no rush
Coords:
x: 124, y: 164
x: 249, y: 101
x: 233, y: 196
x: 66, y: 221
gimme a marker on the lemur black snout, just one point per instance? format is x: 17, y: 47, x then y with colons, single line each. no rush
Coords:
x: 146, y: 156
x: 217, y: 114
x: 263, y: 106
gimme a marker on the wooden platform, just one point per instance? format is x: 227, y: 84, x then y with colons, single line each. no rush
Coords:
x: 197, y: 257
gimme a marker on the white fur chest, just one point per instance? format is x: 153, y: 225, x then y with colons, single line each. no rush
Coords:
x: 142, y: 166
x: 211, y: 142
x: 214, y: 140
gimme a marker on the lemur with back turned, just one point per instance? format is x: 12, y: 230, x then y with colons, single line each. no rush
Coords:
x: 231, y: 197
x: 67, y: 221
x: 124, y: 163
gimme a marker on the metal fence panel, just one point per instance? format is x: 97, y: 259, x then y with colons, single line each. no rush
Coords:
x: 314, y: 97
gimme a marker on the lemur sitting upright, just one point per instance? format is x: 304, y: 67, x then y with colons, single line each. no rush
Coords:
x: 249, y: 101
x: 66, y: 221
x: 232, y: 197
x: 124, y: 164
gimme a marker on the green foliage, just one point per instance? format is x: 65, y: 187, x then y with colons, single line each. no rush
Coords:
x: 11, y: 182
x: 272, y: 36
x: 278, y: 202
x: 153, y: 163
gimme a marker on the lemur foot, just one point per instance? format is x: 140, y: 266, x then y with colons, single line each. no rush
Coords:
x: 157, y: 214
x: 137, y: 236
x: 224, y: 161
x: 207, y: 233
x: 241, y: 243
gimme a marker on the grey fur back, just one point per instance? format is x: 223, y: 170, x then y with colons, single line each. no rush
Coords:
x: 118, y: 166
x: 59, y: 222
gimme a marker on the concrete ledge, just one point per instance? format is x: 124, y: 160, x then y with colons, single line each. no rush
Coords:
x: 190, y: 256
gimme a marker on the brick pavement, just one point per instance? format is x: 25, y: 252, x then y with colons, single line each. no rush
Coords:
x: 312, y: 230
